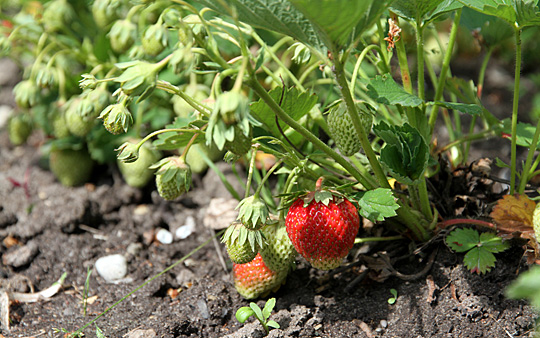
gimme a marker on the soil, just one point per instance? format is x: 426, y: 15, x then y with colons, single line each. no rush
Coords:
x: 47, y: 230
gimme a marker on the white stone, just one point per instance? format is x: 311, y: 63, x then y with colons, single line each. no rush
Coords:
x: 187, y: 229
x: 112, y: 268
x: 164, y: 236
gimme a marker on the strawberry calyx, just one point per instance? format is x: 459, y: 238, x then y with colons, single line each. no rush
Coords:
x: 242, y: 244
x: 253, y: 212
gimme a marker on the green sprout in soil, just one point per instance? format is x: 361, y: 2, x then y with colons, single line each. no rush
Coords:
x: 262, y: 316
x: 393, y: 299
x: 479, y: 247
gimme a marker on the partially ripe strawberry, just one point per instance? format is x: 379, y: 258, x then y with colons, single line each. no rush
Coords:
x: 322, y: 228
x: 255, y: 279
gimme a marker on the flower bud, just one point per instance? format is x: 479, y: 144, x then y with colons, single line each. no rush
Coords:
x: 105, y: 11
x: 155, y: 39
x: 122, y: 35
x: 128, y: 152
x: 27, y: 93
x: 116, y: 118
x: 57, y: 15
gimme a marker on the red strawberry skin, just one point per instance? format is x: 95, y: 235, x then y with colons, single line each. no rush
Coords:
x: 323, y: 234
x: 255, y: 279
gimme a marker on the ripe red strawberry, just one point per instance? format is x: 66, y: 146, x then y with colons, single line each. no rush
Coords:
x: 255, y: 279
x: 322, y: 228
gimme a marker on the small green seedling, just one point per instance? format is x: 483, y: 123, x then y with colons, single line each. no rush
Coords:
x: 245, y: 312
x: 480, y: 248
x: 86, y: 288
x: 393, y: 299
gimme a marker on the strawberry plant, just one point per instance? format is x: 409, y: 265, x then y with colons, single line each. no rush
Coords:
x: 334, y: 90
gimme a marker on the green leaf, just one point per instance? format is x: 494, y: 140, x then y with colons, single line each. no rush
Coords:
x: 268, y: 307
x: 479, y: 261
x: 377, y: 204
x: 333, y: 19
x: 462, y: 239
x: 273, y: 324
x: 257, y: 310
x: 243, y: 313
x: 405, y: 153
x: 471, y: 109
x: 494, y: 30
x: 423, y: 11
x: 275, y: 15
x: 516, y: 12
x: 384, y: 89
x: 526, y: 286
x: 294, y: 103
x: 525, y: 133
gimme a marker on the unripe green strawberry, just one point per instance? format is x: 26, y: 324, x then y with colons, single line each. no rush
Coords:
x: 93, y: 102
x: 19, y: 127
x: 155, y: 39
x: 322, y: 228
x: 342, y: 128
x: 137, y: 174
x: 77, y: 124
x: 195, y: 160
x: 59, y: 125
x: 27, y: 93
x: 71, y: 167
x: 255, y: 279
x: 122, y: 35
x: 278, y: 251
x: 242, y: 244
x: 173, y: 177
x: 58, y: 14
x: 197, y: 91
x: 536, y: 221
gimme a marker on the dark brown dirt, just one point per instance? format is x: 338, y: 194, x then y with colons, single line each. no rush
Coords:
x: 73, y: 227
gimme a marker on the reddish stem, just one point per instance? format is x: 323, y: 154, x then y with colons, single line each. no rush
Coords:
x: 450, y: 222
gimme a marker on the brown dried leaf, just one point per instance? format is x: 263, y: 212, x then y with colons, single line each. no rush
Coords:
x: 514, y: 213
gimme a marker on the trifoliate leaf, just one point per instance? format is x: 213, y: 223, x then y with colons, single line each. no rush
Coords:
x: 377, y: 204
x: 479, y: 247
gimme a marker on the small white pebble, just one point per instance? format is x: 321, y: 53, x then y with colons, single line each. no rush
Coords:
x: 164, y: 236
x: 112, y: 268
x: 187, y: 229
x: 384, y: 324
